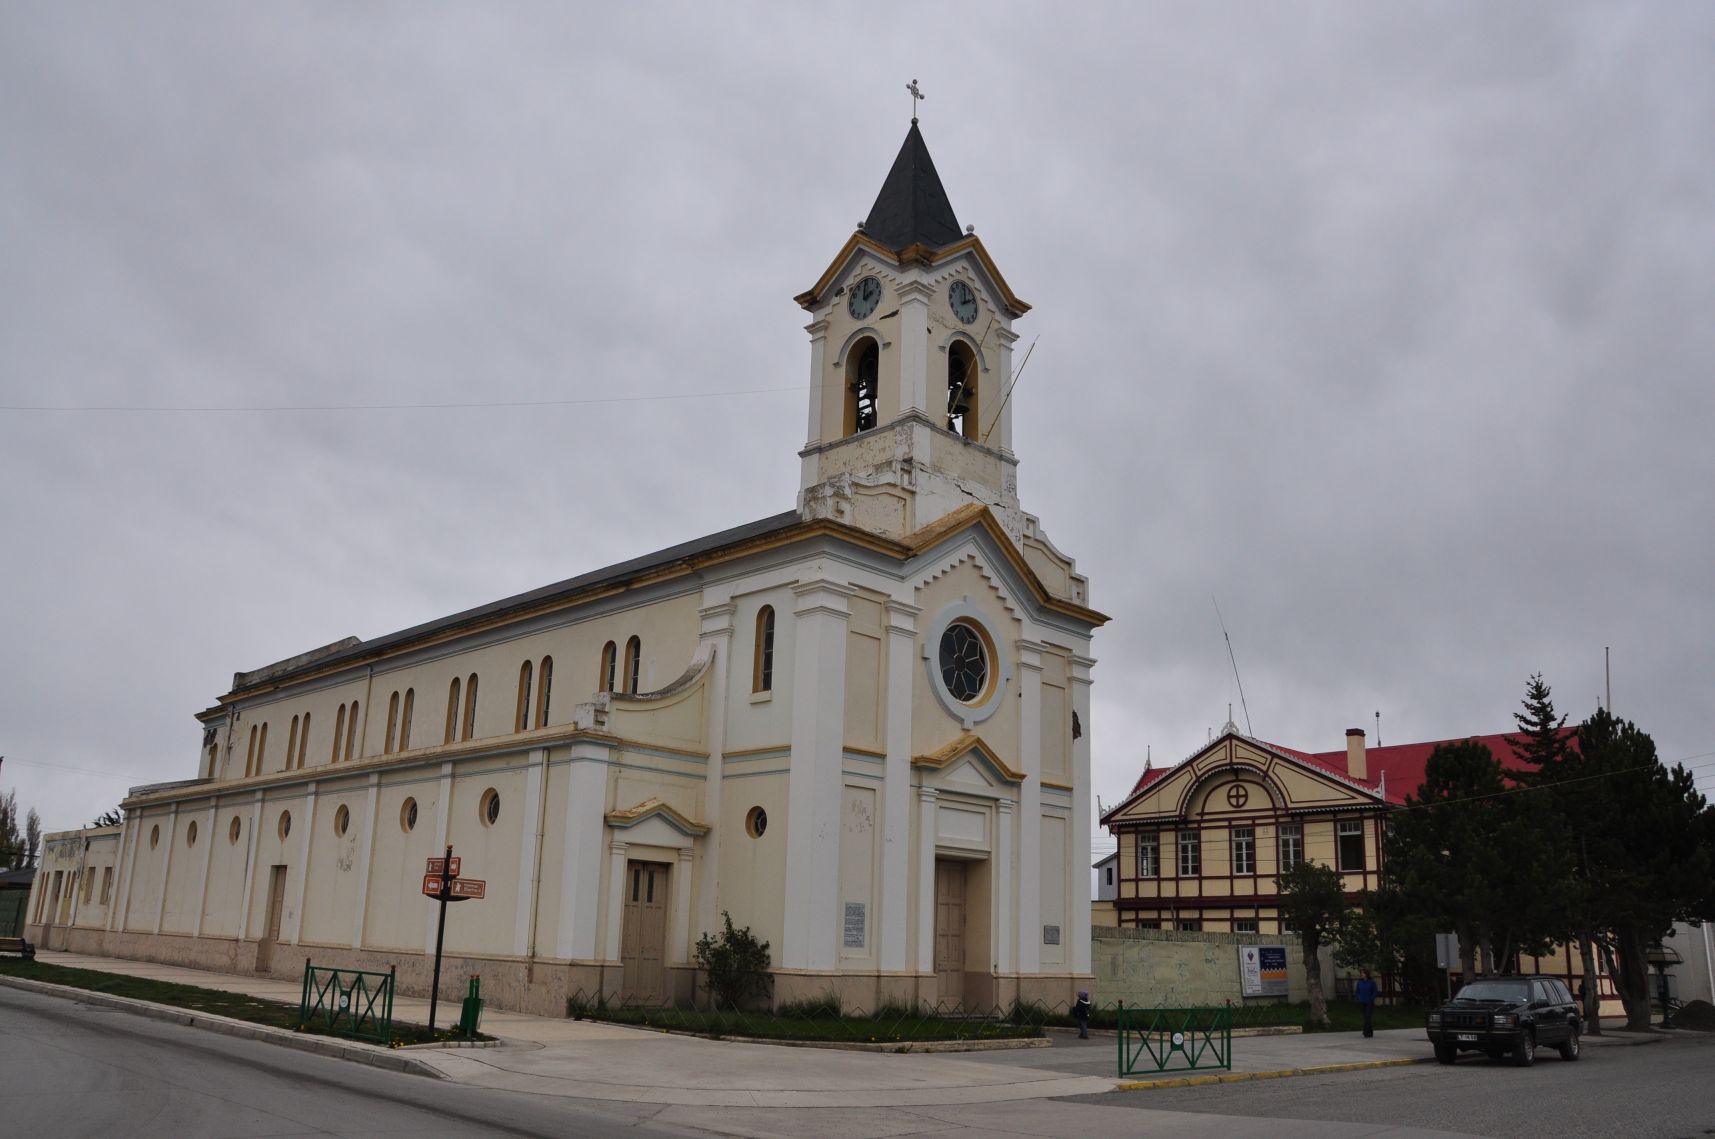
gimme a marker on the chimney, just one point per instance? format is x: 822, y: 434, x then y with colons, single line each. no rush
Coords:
x: 1356, y: 765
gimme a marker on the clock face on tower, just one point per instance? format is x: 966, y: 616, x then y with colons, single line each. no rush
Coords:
x: 866, y: 294
x: 963, y: 301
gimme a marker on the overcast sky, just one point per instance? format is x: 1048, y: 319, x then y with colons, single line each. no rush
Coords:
x: 1386, y: 327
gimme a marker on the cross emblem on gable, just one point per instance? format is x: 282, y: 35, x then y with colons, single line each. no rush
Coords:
x: 1238, y: 795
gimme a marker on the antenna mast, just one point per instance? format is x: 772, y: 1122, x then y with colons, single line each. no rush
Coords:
x: 1235, y: 661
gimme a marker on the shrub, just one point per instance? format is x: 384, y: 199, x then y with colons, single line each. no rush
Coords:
x: 736, y: 962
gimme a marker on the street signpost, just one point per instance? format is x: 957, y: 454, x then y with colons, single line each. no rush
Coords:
x: 442, y: 883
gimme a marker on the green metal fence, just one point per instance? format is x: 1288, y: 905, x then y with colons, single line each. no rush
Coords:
x: 1174, y: 1039
x: 348, y: 1001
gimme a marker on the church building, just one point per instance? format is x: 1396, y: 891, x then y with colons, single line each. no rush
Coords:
x: 861, y: 726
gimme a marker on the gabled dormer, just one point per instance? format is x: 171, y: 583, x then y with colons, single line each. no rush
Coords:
x: 910, y: 356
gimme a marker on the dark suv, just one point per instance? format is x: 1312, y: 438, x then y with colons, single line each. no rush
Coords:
x: 1507, y: 1014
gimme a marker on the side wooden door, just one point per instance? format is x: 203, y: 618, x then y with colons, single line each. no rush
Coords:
x: 643, y: 939
x: 271, y: 925
x: 950, y: 931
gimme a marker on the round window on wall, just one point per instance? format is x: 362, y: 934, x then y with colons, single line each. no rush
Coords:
x: 191, y: 833
x: 232, y: 830
x: 490, y: 807
x: 756, y: 822
x: 342, y: 820
x: 408, y: 816
x: 285, y: 823
x: 964, y: 661
x: 154, y: 837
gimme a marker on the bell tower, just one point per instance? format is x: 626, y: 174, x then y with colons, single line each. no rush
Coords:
x: 910, y: 360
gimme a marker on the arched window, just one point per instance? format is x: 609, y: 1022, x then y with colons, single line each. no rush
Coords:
x: 262, y: 750
x: 633, y: 655
x: 962, y: 416
x: 609, y: 667
x: 338, y: 733
x: 350, y: 733
x: 405, y: 711
x: 762, y: 670
x: 292, y: 744
x: 863, y: 367
x: 392, y: 723
x: 544, y: 685
x: 470, y: 706
x: 250, y: 756
x: 521, y: 716
x: 303, y: 741
x: 452, y: 711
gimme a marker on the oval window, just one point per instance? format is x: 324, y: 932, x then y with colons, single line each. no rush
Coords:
x: 490, y: 807
x: 191, y: 833
x: 154, y: 837
x: 756, y: 822
x: 232, y: 830
x: 964, y: 662
x: 408, y: 816
x: 285, y: 823
x: 342, y: 820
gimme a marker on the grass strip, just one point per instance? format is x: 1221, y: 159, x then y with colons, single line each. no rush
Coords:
x: 885, y: 1029
x: 216, y: 1002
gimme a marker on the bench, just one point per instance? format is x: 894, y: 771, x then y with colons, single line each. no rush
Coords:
x: 19, y: 946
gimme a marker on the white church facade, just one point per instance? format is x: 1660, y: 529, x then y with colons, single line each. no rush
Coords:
x: 861, y: 726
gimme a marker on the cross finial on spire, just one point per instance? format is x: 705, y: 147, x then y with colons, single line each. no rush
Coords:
x: 916, y: 97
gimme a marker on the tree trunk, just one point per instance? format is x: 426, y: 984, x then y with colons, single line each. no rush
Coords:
x: 1313, y: 982
x: 1592, y: 987
x: 1630, y: 971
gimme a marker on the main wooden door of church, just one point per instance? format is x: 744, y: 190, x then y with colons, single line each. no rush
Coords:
x: 643, y: 939
x: 950, y: 931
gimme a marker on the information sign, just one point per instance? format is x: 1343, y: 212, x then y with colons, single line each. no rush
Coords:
x: 439, y: 866
x: 1262, y: 970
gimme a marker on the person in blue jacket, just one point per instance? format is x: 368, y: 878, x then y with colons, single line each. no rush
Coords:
x: 1366, y: 997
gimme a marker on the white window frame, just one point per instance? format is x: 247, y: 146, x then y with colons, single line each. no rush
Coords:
x: 1244, y: 841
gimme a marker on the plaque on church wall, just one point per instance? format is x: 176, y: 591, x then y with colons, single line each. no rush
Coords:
x: 1051, y: 935
x: 854, y: 925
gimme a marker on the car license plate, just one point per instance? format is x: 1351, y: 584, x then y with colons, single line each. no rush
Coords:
x: 1467, y: 1038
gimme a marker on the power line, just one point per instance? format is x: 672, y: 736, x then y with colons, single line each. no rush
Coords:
x: 158, y: 409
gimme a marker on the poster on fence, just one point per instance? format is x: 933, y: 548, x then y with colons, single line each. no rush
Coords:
x: 1262, y: 970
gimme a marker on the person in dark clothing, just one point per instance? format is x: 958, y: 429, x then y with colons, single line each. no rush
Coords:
x: 1365, y: 992
x: 1081, y: 1010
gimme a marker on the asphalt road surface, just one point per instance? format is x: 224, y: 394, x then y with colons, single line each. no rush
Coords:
x: 1660, y: 1090
x: 71, y: 1069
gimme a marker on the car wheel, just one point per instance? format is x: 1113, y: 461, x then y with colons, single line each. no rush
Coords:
x: 1446, y: 1053
x: 1524, y: 1050
x: 1569, y: 1050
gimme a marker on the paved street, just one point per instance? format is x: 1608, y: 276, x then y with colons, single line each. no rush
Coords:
x: 1660, y: 1090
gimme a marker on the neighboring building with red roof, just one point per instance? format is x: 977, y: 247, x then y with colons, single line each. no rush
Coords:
x: 1201, y: 842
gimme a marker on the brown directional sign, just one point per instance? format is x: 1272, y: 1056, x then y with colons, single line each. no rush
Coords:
x: 438, y: 865
x: 432, y: 885
x: 468, y: 887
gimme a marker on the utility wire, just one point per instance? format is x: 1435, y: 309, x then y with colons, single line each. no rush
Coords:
x: 165, y: 410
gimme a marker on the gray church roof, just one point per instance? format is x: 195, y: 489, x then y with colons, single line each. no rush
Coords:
x: 912, y: 207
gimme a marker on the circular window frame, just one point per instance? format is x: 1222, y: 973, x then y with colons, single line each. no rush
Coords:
x: 488, y: 807
x: 969, y: 714
x: 191, y: 833
x: 154, y: 836
x: 756, y: 822
x: 408, y: 814
x: 285, y: 825
x: 342, y: 820
x: 233, y: 829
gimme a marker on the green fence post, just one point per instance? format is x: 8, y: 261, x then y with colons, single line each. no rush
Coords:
x: 304, y: 999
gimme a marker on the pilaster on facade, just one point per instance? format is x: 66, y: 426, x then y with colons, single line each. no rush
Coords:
x: 1001, y: 433
x: 530, y: 850
x: 914, y: 300
x: 819, y: 379
x: 309, y: 826
x: 365, y: 854
x: 1006, y: 932
x: 901, y: 629
x: 716, y: 637
x: 1078, y: 900
x: 249, y: 865
x: 166, y: 868
x: 1030, y: 806
x: 202, y: 874
x: 615, y: 918
x: 821, y: 617
x: 581, y: 855
x: 679, y: 935
x: 926, y: 827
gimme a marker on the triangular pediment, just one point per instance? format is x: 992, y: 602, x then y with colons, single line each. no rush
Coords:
x: 1204, y: 784
x: 969, y: 762
x: 653, y: 814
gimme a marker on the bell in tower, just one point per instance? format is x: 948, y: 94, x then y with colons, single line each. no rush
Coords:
x: 910, y: 357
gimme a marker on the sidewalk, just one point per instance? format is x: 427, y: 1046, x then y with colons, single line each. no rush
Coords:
x: 594, y: 1061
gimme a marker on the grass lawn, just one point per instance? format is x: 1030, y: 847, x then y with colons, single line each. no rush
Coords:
x: 238, y: 1006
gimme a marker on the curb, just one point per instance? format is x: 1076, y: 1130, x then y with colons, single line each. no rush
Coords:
x: 226, y: 1026
x: 1277, y: 1074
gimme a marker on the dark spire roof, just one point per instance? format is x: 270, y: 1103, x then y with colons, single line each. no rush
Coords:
x: 912, y: 207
